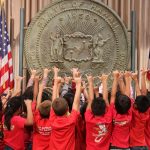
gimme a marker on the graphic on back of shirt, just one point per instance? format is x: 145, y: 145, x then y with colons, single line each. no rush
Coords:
x: 100, y: 130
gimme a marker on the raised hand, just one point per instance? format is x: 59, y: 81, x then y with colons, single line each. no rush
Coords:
x: 33, y: 73
x: 116, y: 74
x: 67, y: 79
x: 46, y: 72
x: 56, y: 71
x: 28, y: 102
x: 84, y: 84
x: 78, y: 80
x: 143, y: 72
x: 127, y: 74
x: 134, y: 76
x: 37, y: 78
x: 104, y: 77
x: 19, y: 78
x: 58, y: 80
x: 89, y: 78
x: 121, y: 75
x: 75, y: 72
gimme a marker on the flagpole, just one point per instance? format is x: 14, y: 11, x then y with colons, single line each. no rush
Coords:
x: 133, y: 45
x: 6, y: 70
x: 21, y: 44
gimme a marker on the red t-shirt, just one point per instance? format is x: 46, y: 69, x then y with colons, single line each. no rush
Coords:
x: 147, y: 132
x: 15, y: 137
x: 138, y: 124
x: 98, y: 130
x: 80, y: 135
x: 41, y: 133
x: 121, y: 129
x: 63, y: 131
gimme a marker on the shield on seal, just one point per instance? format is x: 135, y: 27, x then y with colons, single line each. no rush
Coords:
x: 78, y: 47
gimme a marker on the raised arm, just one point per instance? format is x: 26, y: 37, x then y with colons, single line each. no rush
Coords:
x: 91, y: 91
x: 36, y: 88
x: 114, y: 86
x: 104, y: 78
x: 74, y: 72
x: 76, y: 102
x: 45, y: 76
x: 85, y: 93
x: 59, y: 87
x: 31, y: 80
x: 121, y: 83
x: 127, y: 76
x: 55, y: 88
x: 137, y: 88
x: 96, y: 91
x: 17, y: 91
x: 39, y: 98
x: 57, y: 80
x: 143, y: 82
x: 66, y: 85
x: 29, y: 119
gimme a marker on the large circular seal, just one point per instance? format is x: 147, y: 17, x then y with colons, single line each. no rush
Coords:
x: 77, y: 33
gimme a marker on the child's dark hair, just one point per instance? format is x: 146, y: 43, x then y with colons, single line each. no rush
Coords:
x: 45, y: 95
x: 83, y: 109
x: 98, y: 106
x: 148, y: 94
x: 122, y: 104
x: 1, y: 105
x: 13, y: 105
x: 28, y: 94
x: 60, y: 106
x: 69, y: 97
x: 142, y: 103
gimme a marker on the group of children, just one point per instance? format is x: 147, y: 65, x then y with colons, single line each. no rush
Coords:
x: 78, y: 115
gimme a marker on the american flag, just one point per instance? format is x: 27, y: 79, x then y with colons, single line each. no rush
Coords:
x: 6, y: 67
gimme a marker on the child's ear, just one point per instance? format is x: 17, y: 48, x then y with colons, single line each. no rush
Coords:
x: 68, y: 113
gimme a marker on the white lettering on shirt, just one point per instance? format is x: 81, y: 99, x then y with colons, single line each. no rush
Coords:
x: 121, y: 123
x: 44, y: 130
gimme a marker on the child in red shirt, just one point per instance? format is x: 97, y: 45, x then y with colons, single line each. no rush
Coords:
x: 13, y: 124
x: 98, y: 117
x: 146, y: 92
x: 63, y: 125
x: 147, y: 132
x: 68, y: 94
x: 122, y: 113
x: 139, y: 119
x: 42, y: 127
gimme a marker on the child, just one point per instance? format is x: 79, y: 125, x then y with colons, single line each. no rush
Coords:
x: 14, y: 125
x: 98, y: 117
x: 122, y: 114
x: 42, y: 127
x: 63, y: 125
x: 139, y: 119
